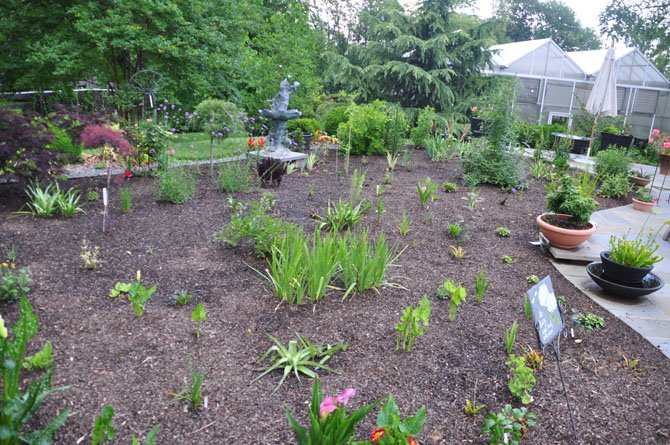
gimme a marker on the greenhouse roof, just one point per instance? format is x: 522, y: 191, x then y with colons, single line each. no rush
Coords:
x: 633, y: 68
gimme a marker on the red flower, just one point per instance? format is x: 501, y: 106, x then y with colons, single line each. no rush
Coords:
x: 261, y: 142
x: 251, y: 143
x: 128, y: 174
x: 377, y: 434
x: 412, y: 441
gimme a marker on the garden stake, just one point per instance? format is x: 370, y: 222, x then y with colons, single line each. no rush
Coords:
x: 104, y: 212
x: 557, y: 350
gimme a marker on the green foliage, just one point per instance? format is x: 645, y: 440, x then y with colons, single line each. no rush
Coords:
x: 523, y: 379
x: 199, y: 315
x: 616, y: 186
x: 527, y: 308
x: 412, y: 324
x: 508, y: 426
x: 643, y: 194
x: 18, y: 408
x: 532, y: 279
x: 503, y: 232
x: 405, y: 222
x: 192, y: 393
x: 454, y: 229
x: 301, y: 356
x: 510, y: 337
x: 13, y: 283
x: 182, y: 298
x: 395, y: 430
x: 456, y: 294
x: 251, y: 222
x: 567, y: 198
x: 426, y: 191
x: 482, y: 284
x: 213, y: 114
x: 151, y: 436
x: 287, y: 270
x: 41, y: 359
x: 508, y: 259
x: 341, y: 216
x: 92, y: 195
x: 612, y: 162
x: 634, y: 253
x: 235, y: 177
x: 356, y: 187
x: 589, y: 322
x: 103, y: 432
x: 335, y: 428
x: 562, y: 154
x: 175, y: 186
x: 303, y: 125
x: 321, y: 264
x: 332, y: 117
x: 89, y: 256
x: 63, y: 143
x: 492, y: 166
x: 137, y: 294
x: 52, y: 201
x: 375, y: 128
x: 363, y: 263
x: 427, y: 122
x: 449, y: 187
x: 126, y: 198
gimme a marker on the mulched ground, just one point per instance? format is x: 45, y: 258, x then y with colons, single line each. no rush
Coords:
x: 105, y: 354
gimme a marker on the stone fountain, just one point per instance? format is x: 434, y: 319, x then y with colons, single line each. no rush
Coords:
x: 279, y: 115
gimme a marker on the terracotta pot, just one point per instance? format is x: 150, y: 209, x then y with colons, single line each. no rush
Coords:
x: 640, y: 182
x: 564, y: 238
x: 664, y: 164
x: 643, y: 206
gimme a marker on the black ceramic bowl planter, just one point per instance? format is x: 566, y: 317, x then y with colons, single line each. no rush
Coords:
x: 623, y: 273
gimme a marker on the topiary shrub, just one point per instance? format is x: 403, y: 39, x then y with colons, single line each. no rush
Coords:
x: 375, y: 128
x: 217, y: 113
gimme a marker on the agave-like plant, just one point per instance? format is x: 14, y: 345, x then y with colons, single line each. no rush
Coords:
x: 299, y: 357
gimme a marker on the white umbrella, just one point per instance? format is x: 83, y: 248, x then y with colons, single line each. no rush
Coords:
x: 602, y: 99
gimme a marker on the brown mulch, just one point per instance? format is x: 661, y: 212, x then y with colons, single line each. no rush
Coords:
x: 107, y: 355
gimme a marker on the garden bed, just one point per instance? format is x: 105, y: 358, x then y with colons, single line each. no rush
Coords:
x: 107, y: 355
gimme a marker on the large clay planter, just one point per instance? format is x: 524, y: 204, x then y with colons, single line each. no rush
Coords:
x: 638, y: 181
x: 564, y: 238
x: 643, y: 206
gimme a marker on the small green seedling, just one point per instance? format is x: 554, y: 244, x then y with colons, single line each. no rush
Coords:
x: 482, y: 284
x: 471, y: 408
x: 412, y: 324
x: 137, y: 294
x: 103, y: 432
x: 182, y: 298
x: 503, y: 232
x: 508, y: 259
x: 449, y: 187
x: 527, y: 308
x: 199, y: 315
x: 589, y: 322
x: 41, y: 360
x: 404, y: 224
x: 510, y: 337
x: 532, y: 279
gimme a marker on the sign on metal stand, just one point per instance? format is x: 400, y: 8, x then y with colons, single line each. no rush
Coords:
x: 549, y: 325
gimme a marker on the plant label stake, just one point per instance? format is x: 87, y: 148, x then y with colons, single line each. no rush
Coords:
x: 104, y: 204
x: 549, y: 324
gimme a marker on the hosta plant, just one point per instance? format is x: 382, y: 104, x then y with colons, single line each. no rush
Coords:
x: 301, y: 356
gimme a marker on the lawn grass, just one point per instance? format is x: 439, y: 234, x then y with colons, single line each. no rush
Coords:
x: 195, y: 147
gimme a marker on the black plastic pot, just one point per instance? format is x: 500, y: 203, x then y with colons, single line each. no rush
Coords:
x: 621, y: 273
x: 618, y: 140
x: 308, y: 140
x: 580, y: 146
x: 476, y: 126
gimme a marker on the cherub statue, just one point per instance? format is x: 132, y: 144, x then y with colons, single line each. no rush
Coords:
x: 280, y: 101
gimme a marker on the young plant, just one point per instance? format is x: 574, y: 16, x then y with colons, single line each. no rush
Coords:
x: 392, y: 160
x: 510, y: 337
x: 380, y: 209
x: 175, y: 186
x: 389, y: 429
x: 508, y: 426
x: 43, y: 202
x: 199, y: 315
x: 634, y: 253
x: 182, y: 298
x: 89, y: 256
x: 456, y: 294
x: 426, y: 192
x: 458, y: 252
x: 287, y: 269
x: 503, y: 232
x: 341, y: 216
x: 508, y: 259
x: 152, y: 435
x: 449, y: 187
x: 589, y: 322
x: 534, y: 359
x: 92, y: 196
x: 301, y: 356
x: 363, y: 263
x: 632, y: 364
x: 454, y: 230
x: 192, y: 393
x: 523, y: 379
x: 321, y: 264
x: 329, y: 422
x: 482, y: 284
x: 40, y: 360
x: 19, y: 408
x: 126, y: 198
x: 532, y: 279
x: 404, y: 224
x: 356, y: 189
x: 388, y: 178
x: 412, y: 324
x: 527, y: 308
x: 235, y: 177
x: 310, y: 161
x: 310, y: 189
x: 137, y: 294
x: 13, y: 283
x: 471, y: 408
x: 103, y: 432
x: 473, y: 199
x: 379, y: 189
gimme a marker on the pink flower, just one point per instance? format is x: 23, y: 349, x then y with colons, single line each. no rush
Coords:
x: 327, y: 406
x: 655, y: 132
x: 473, y: 109
x: 423, y: 189
x: 345, y: 395
x: 651, y: 141
x: 666, y: 144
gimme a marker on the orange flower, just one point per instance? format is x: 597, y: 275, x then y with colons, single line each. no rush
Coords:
x: 412, y: 441
x: 261, y: 142
x: 251, y: 143
x: 377, y: 434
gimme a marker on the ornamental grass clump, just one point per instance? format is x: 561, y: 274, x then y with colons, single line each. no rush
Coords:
x: 364, y: 264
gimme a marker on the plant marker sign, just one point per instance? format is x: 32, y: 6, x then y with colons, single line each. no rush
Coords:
x: 546, y: 313
x: 104, y: 203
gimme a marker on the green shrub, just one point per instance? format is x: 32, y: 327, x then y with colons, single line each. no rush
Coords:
x: 13, y: 282
x: 235, y: 177
x: 616, y: 186
x: 331, y: 116
x: 492, y: 166
x: 612, y: 162
x: 567, y: 198
x: 427, y: 121
x: 305, y: 125
x: 62, y: 142
x: 175, y: 185
x: 375, y: 128
x: 218, y: 112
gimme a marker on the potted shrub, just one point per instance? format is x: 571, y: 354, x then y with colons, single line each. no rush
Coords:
x: 613, y: 135
x: 643, y: 200
x: 629, y: 261
x: 639, y: 178
x: 568, y: 225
